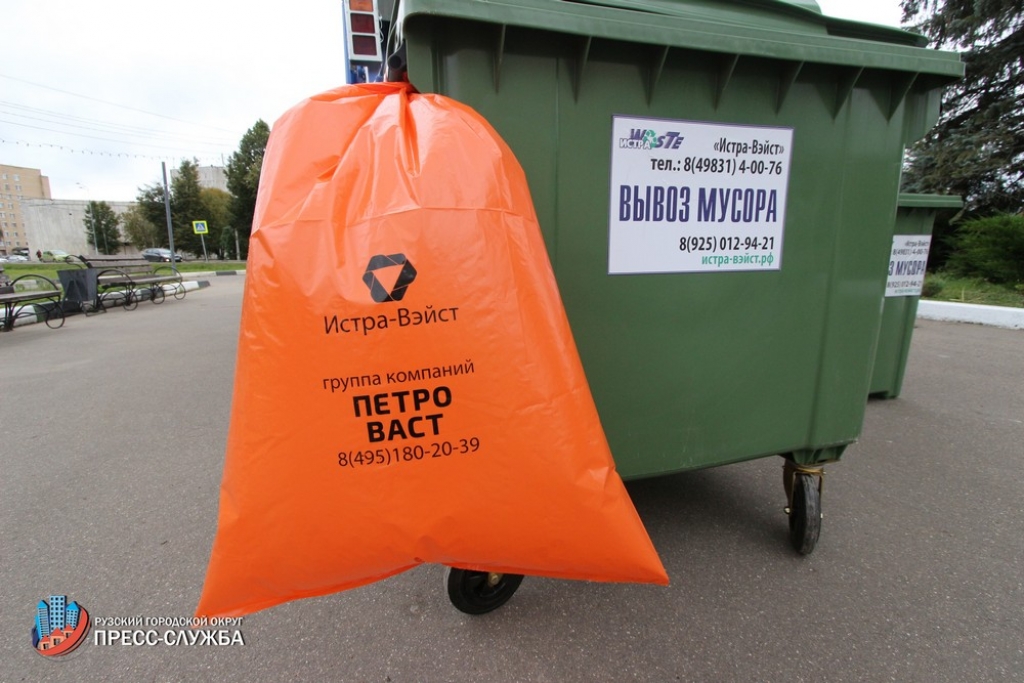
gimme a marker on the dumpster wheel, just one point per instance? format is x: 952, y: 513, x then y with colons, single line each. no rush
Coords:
x: 476, y: 592
x: 803, y: 488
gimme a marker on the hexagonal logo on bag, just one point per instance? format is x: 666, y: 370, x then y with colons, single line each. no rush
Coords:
x: 388, y: 277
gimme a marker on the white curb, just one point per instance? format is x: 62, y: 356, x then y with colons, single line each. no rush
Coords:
x: 994, y: 316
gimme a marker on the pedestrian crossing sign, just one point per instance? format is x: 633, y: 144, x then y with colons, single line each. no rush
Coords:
x: 200, y: 227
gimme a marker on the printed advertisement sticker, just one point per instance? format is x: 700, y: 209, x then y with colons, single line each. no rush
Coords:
x: 907, y: 264
x: 692, y: 197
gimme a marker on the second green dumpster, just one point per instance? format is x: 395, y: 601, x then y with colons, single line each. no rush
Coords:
x: 911, y: 240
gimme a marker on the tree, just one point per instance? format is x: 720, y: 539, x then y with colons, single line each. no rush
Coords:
x: 991, y: 248
x: 229, y: 247
x: 189, y: 202
x: 101, y: 228
x: 150, y: 206
x: 187, y: 206
x: 243, y: 175
x: 217, y: 210
x: 138, y: 229
x: 977, y: 149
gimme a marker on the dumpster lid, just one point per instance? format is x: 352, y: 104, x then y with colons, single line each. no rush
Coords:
x: 794, y: 31
x: 909, y: 200
x: 807, y: 10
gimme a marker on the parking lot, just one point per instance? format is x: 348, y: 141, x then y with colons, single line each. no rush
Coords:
x: 113, y: 436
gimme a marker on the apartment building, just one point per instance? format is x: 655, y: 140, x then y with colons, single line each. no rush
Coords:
x: 16, y: 185
x: 209, y: 176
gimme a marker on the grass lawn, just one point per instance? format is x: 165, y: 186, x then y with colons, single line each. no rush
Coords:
x: 49, y: 270
x: 943, y: 287
x: 198, y: 266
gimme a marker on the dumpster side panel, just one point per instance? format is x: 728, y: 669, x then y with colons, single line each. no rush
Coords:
x: 866, y: 203
x: 685, y: 367
x: 700, y: 369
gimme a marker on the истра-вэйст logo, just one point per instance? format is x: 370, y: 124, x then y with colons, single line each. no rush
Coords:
x: 376, y: 277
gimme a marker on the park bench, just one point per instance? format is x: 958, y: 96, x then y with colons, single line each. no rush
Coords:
x: 23, y: 295
x: 122, y: 281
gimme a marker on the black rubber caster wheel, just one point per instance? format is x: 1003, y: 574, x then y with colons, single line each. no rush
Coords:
x: 480, y: 592
x: 805, y: 514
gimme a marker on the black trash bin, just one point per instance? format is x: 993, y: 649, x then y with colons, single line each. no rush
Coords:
x: 81, y: 289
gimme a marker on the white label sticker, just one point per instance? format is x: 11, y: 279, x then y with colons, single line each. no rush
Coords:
x: 907, y: 263
x: 696, y: 197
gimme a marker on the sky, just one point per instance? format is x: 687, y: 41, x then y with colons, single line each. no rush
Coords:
x: 98, y: 94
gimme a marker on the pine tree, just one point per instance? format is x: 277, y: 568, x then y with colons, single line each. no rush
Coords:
x: 187, y: 206
x: 243, y: 175
x: 977, y: 149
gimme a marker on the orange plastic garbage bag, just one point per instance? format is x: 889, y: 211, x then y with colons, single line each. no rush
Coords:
x: 407, y: 387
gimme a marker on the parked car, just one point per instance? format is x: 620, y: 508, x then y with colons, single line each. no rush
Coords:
x: 20, y: 251
x: 53, y: 255
x: 156, y: 254
x: 16, y: 258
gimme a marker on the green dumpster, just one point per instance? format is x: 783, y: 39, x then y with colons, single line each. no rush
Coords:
x: 915, y: 215
x: 716, y: 183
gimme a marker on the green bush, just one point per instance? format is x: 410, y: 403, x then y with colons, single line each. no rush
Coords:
x: 933, y: 284
x: 990, y: 248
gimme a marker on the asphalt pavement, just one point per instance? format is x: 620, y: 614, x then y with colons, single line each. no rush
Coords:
x: 112, y: 438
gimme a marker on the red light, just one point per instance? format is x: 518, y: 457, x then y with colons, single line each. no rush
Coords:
x: 363, y: 23
x: 365, y: 46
